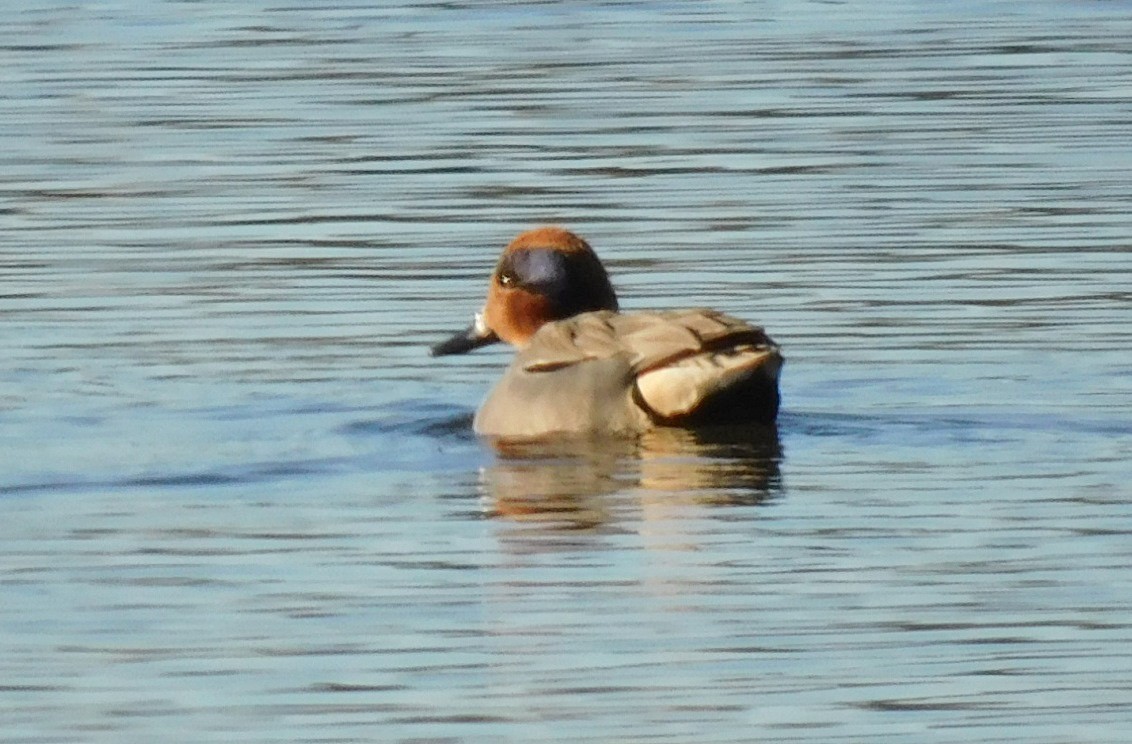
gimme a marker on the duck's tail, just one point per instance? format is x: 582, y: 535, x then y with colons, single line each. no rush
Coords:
x: 732, y: 385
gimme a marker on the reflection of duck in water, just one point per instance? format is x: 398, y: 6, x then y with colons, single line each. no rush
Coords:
x: 589, y: 481
x: 582, y: 367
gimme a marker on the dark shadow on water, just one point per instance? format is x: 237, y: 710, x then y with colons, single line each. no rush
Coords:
x: 931, y: 428
x: 410, y: 436
x: 417, y: 418
x: 240, y: 474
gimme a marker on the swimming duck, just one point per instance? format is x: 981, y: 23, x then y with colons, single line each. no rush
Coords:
x: 582, y: 367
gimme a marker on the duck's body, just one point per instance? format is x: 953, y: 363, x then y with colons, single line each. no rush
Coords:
x: 624, y: 373
x: 582, y: 367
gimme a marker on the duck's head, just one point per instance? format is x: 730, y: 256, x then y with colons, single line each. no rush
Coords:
x: 545, y: 274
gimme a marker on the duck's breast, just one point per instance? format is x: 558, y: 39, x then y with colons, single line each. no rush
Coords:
x: 590, y: 396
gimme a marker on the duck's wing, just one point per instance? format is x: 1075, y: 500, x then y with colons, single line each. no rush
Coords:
x: 658, y: 339
x: 648, y: 340
x: 684, y: 366
x: 571, y: 341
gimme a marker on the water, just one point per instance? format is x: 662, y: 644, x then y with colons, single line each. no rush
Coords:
x: 241, y: 503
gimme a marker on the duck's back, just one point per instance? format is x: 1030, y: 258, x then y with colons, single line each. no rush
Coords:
x: 627, y: 372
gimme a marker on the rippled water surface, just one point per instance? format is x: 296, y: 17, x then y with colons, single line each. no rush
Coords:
x: 240, y: 502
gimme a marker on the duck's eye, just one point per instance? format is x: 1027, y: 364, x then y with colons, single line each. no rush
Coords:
x: 506, y: 279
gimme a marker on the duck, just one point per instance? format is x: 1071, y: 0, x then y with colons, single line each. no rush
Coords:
x: 583, y: 367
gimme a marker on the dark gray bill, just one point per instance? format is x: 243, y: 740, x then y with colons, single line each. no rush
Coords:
x: 472, y: 337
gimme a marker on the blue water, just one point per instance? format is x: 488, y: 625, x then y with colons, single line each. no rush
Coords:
x: 241, y: 503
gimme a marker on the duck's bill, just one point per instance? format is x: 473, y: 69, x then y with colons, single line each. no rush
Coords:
x: 473, y: 337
